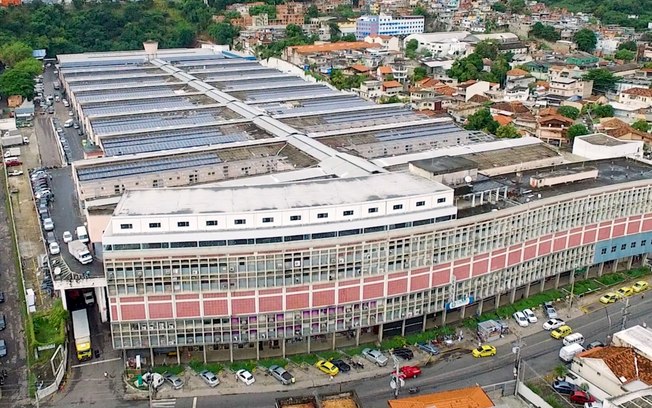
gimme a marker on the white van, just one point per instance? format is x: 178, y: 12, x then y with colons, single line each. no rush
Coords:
x: 575, y: 338
x: 68, y: 123
x: 567, y: 353
x: 82, y: 234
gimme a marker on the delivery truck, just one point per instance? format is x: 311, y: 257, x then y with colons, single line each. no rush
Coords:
x: 80, y: 251
x: 82, y: 334
x: 567, y: 353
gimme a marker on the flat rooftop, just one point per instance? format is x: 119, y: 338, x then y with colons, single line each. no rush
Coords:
x: 306, y: 194
x: 602, y: 140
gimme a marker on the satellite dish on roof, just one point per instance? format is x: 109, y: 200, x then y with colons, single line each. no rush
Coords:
x: 468, y: 179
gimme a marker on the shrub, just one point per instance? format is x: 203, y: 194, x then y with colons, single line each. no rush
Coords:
x: 198, y: 366
x: 611, y: 279
x: 281, y: 362
x: 172, y: 369
x: 243, y: 365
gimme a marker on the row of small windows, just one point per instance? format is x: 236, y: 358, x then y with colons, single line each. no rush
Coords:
x: 270, y: 240
x: 623, y: 247
x: 212, y: 223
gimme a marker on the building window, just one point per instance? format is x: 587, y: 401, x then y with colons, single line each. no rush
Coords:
x: 613, y: 249
x: 268, y: 219
x: 373, y: 210
x: 322, y: 215
x: 183, y: 224
x: 623, y: 247
x: 347, y: 213
x: 211, y: 223
x: 126, y: 226
x: 603, y: 251
x: 240, y: 222
x: 155, y: 225
x: 632, y: 245
x: 397, y: 207
x: 441, y: 200
x: 644, y: 242
x: 421, y: 203
x: 295, y: 218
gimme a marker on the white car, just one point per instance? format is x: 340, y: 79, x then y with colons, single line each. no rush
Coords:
x: 520, y: 319
x: 529, y: 314
x: 245, y: 376
x: 48, y: 224
x: 54, y: 248
x: 553, y: 324
x: 15, y: 173
x: 375, y: 356
x: 209, y: 378
x: 67, y: 236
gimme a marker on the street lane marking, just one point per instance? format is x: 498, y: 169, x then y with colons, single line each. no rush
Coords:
x: 164, y: 403
x: 194, y: 402
x: 96, y: 362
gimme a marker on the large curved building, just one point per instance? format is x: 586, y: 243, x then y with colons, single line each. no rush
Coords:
x: 255, y: 214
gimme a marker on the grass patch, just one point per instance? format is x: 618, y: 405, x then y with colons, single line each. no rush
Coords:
x: 172, y: 369
x: 267, y: 363
x: 584, y: 286
x: 329, y: 354
x: 392, y: 343
x: 304, y: 359
x: 198, y: 366
x: 50, y: 325
x: 554, y: 401
x: 243, y: 365
x: 638, y: 272
x: 356, y: 351
x: 611, y: 279
x: 535, y: 388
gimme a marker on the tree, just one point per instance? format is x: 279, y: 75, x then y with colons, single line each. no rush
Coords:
x: 420, y: 11
x: 391, y: 99
x: 507, y: 132
x: 312, y: 12
x: 499, y: 7
x: 585, y: 40
x: 14, y: 52
x: 569, y: 112
x: 411, y: 49
x: 350, y: 37
x: 516, y: 6
x: 486, y: 49
x: 544, y: 31
x: 222, y: 33
x: 466, y: 68
x: 17, y: 82
x: 641, y: 125
x: 576, y: 130
x: 625, y: 55
x: 627, y: 45
x: 602, y: 111
x: 482, y: 120
x: 293, y: 30
x: 419, y: 73
x: 603, y: 79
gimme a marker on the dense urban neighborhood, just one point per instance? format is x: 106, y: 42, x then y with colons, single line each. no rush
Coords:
x: 326, y: 204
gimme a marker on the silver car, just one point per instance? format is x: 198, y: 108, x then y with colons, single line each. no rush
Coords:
x: 281, y: 374
x: 209, y: 378
x: 48, y: 224
x: 375, y: 356
x: 174, y: 380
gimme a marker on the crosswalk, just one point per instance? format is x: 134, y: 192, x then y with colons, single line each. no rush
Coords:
x: 164, y: 403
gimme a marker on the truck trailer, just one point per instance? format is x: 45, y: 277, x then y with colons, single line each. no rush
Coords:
x: 80, y: 251
x: 82, y: 334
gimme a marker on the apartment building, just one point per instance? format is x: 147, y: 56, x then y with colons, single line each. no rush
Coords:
x: 384, y: 24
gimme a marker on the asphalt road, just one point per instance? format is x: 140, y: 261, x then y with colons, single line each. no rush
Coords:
x: 540, y: 352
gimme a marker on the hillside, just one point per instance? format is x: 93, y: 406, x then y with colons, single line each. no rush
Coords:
x: 611, y: 11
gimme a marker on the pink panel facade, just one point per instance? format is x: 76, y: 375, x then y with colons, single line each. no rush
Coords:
x: 270, y: 304
x: 351, y: 294
x: 545, y: 248
x: 633, y: 227
x: 397, y: 287
x: 647, y: 226
x: 618, y: 231
x: 480, y: 267
x: 589, y: 237
x: 604, y: 233
x: 188, y: 296
x: 132, y: 299
x: 160, y: 310
x: 216, y: 307
x: 513, y: 258
x: 133, y: 312
x: 560, y: 244
x: 420, y: 282
x: 462, y: 272
x: 441, y: 278
x: 530, y: 252
x: 574, y: 240
x: 373, y: 291
x: 498, y: 262
x: 297, y: 301
x: 188, y: 309
x: 114, y: 313
x: 242, y: 306
x: 158, y: 298
x: 323, y: 298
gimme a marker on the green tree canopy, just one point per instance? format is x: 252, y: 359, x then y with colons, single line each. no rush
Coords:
x: 602, y: 111
x: 482, y: 120
x: 349, y: 37
x: 499, y: 7
x: 569, y: 112
x: 507, y: 132
x: 625, y: 55
x: 391, y: 99
x: 419, y: 73
x: 411, y: 49
x: 14, y: 52
x: 517, y: 6
x: 627, y: 45
x: 341, y: 81
x: 312, y: 11
x: 223, y: 33
x: 576, y: 130
x: 486, y: 49
x: 603, y: 80
x: 544, y: 32
x: 293, y: 31
x: 420, y: 11
x: 641, y: 125
x: 585, y: 40
x: 466, y: 68
x: 17, y: 82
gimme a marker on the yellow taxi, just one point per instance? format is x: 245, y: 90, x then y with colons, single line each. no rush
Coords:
x: 484, y: 351
x: 327, y: 367
x: 625, y: 291
x: 640, y: 286
x: 561, y: 332
x: 609, y: 298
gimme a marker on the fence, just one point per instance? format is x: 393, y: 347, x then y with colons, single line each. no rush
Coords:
x: 60, y: 371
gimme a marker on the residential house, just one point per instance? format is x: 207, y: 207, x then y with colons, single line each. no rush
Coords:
x: 508, y: 108
x: 623, y: 70
x: 567, y: 82
x: 441, y: 44
x: 636, y: 96
x: 503, y: 120
x: 526, y: 122
x: 582, y: 60
x: 515, y: 47
x: 384, y: 24
x: 617, y: 128
x: 388, y: 42
x: 357, y: 69
x: 463, y: 110
x: 323, y: 53
x: 564, y: 47
x: 552, y: 129
x: 371, y: 90
x: 472, y: 87
x: 289, y: 13
x: 630, y: 112
x: 392, y: 88
x: 518, y: 78
x: 8, y: 3
x: 328, y: 6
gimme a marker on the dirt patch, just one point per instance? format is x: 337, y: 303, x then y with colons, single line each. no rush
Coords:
x: 339, y: 403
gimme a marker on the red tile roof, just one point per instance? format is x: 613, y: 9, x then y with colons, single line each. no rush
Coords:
x: 477, y: 98
x: 623, y: 362
x: 471, y: 397
x: 639, y: 92
x: 514, y: 107
x: 502, y: 119
x: 557, y: 118
x: 360, y: 68
x: 517, y: 72
x: 385, y: 70
x: 392, y: 84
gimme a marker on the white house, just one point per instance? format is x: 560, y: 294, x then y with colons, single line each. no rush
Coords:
x: 443, y: 44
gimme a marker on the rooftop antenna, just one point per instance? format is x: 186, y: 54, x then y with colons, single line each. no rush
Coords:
x: 151, y: 48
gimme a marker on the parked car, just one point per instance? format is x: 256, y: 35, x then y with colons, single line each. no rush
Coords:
x: 12, y: 162
x: 530, y: 316
x: 281, y: 374
x: 549, y: 310
x: 375, y: 356
x: 484, y: 351
x: 327, y: 367
x: 553, y: 324
x: 561, y: 332
x: 3, y: 348
x: 609, y: 298
x: 564, y: 387
x: 594, y: 345
x: 48, y: 224
x: 428, y: 348
x: 581, y: 397
x: 245, y: 376
x: 625, y: 291
x: 3, y: 322
x: 403, y: 352
x: 409, y: 372
x: 640, y: 286
x: 520, y: 318
x: 54, y: 248
x: 15, y: 173
x: 2, y: 297
x: 341, y: 365
x: 596, y: 404
x: 209, y: 378
x: 174, y: 380
x: 67, y: 236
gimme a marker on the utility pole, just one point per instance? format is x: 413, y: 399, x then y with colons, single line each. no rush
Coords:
x: 516, y: 349
x: 570, y: 298
x: 397, y: 378
x: 623, y: 323
x: 608, y: 338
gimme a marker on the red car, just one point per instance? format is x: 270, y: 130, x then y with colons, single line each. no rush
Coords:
x: 581, y: 397
x: 11, y: 163
x: 409, y: 372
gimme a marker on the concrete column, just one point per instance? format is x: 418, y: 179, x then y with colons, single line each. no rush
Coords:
x: 527, y: 290
x: 257, y: 350
x: 309, y: 344
x: 480, y: 305
x: 151, y: 356
x: 64, y: 301
x: 231, y: 352
x: 557, y: 280
x: 203, y: 349
x: 497, y: 300
x: 357, y: 336
x: 380, y: 332
x: 512, y: 295
x: 443, y: 317
x: 462, y: 312
x: 178, y: 356
x: 403, y: 328
x: 100, y: 297
x: 630, y: 260
x: 614, y: 268
x: 586, y: 272
x: 333, y: 346
x: 600, y: 269
x: 425, y: 321
x: 283, y: 347
x: 543, y: 285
